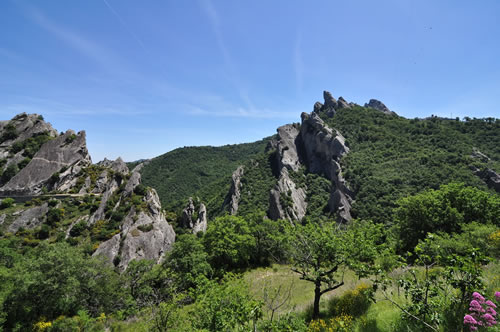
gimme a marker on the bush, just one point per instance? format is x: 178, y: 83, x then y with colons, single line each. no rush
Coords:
x: 9, y: 133
x: 9, y: 173
x: 6, y: 203
x: 54, y: 216
x: 44, y: 232
x: 78, y: 229
x: 353, y: 303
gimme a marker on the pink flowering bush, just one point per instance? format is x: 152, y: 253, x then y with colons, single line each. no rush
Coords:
x: 482, y: 313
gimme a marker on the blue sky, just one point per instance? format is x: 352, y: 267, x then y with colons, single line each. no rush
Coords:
x: 145, y: 77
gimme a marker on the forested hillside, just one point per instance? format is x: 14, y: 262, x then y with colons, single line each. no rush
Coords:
x: 202, y: 172
x: 393, y: 157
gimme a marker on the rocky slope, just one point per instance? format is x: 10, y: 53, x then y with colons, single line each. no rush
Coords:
x: 104, y: 204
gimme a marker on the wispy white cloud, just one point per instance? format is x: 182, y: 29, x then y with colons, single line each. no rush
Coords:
x: 125, y: 25
x: 213, y: 16
x: 239, y: 112
x: 84, y: 46
x: 298, y: 64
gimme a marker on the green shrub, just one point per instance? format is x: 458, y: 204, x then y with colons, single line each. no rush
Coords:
x: 6, y: 203
x: 353, y: 302
x: 145, y: 228
x: 9, y: 133
x: 9, y: 173
x: 53, y: 203
x: 54, y: 216
x: 23, y: 163
x: 44, y: 232
x: 78, y: 228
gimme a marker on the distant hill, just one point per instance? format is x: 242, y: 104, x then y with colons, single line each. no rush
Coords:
x: 203, y: 172
x: 381, y: 157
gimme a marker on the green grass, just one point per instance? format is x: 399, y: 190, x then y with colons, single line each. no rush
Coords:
x: 302, y: 292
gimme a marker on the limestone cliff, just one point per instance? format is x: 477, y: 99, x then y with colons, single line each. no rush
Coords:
x: 317, y: 148
x: 58, y: 168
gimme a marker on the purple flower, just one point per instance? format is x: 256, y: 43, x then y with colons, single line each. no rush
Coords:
x: 468, y: 319
x: 497, y: 296
x: 475, y: 306
x: 490, y: 320
x: 478, y: 297
x: 491, y: 311
x: 473, y: 328
x: 491, y: 304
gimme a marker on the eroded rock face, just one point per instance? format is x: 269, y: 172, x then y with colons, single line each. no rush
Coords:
x: 324, y: 148
x: 201, y: 222
x: 63, y: 165
x: 286, y: 200
x: 29, y: 218
x: 288, y: 156
x: 489, y: 176
x: 59, y: 153
x: 378, y: 105
x: 117, y: 165
x: 232, y: 200
x: 188, y: 221
x: 150, y: 236
x: 26, y: 126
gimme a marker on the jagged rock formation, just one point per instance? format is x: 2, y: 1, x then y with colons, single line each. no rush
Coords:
x: 324, y: 147
x: 378, y: 105
x: 117, y: 165
x: 188, y: 220
x: 286, y: 200
x: 318, y: 148
x: 61, y: 165
x: 331, y: 105
x: 489, y: 176
x: 233, y: 197
x: 144, y: 235
x: 63, y: 152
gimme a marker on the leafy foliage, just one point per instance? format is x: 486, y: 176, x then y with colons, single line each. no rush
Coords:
x: 392, y: 157
x: 197, y: 171
x: 443, y: 210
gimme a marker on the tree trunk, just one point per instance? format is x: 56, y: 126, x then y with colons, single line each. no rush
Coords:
x: 317, y: 295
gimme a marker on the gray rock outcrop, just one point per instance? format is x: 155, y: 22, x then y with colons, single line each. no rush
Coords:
x: 489, y: 176
x: 29, y: 218
x: 117, y: 165
x: 286, y: 200
x: 379, y: 106
x: 232, y: 200
x: 318, y: 149
x: 188, y: 220
x: 324, y: 148
x: 150, y: 236
x: 61, y: 152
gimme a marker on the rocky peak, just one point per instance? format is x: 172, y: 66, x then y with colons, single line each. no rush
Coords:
x: 324, y: 147
x: 117, y: 165
x: 331, y: 105
x: 330, y: 102
x: 378, y: 105
x: 54, y: 156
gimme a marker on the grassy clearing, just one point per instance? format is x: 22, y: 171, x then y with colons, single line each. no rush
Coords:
x: 302, y: 292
